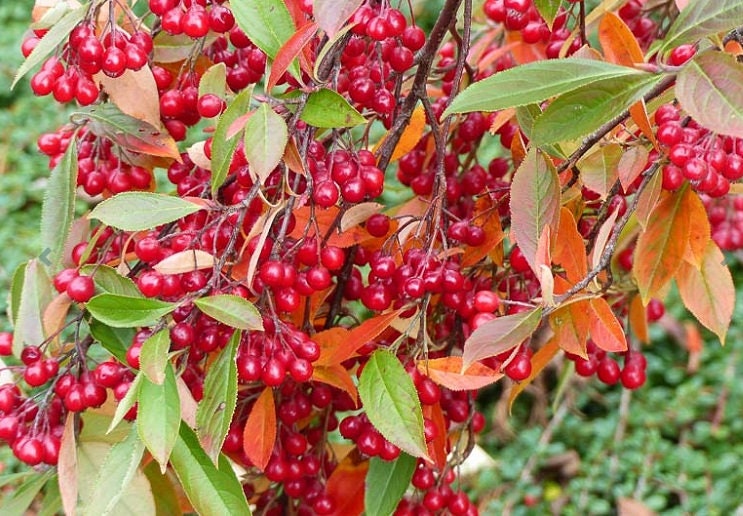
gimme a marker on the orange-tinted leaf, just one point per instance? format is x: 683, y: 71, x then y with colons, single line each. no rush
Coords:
x: 602, y: 238
x: 571, y: 324
x: 700, y: 233
x: 599, y: 169
x: 499, y: 335
x: 631, y: 165
x: 289, y: 51
x: 346, y: 485
x: 325, y: 219
x: 411, y: 135
x: 358, y: 214
x: 539, y: 361
x: 570, y: 251
x: 638, y: 319
x: 491, y: 224
x: 502, y: 118
x: 544, y: 268
x: 55, y: 314
x: 649, y: 199
x: 438, y: 448
x: 337, y: 376
x: 606, y: 331
x: 661, y: 247
x: 535, y: 203
x: 708, y: 291
x: 67, y: 466
x: 447, y: 371
x: 639, y: 113
x: 259, y: 435
x: 338, y: 344
x: 185, y: 261
x: 292, y: 158
x: 135, y: 93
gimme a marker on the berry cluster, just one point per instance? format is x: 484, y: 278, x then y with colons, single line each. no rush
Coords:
x: 607, y: 369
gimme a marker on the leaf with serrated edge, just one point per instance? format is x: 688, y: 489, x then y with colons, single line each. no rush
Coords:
x: 535, y: 203
x: 125, y: 311
x: 548, y: 10
x: 135, y: 93
x: 708, y: 291
x: 234, y: 311
x: 606, y: 331
x: 259, y: 434
x: 213, y: 81
x: 159, y: 416
x: 127, y: 402
x: 185, y: 261
x: 661, y: 247
x: 109, y: 280
x: 570, y: 251
x: 20, y: 498
x: 215, y: 410
x: 223, y: 148
x: 386, y: 482
x: 700, y: 19
x: 391, y: 403
x: 328, y: 109
x: 154, y: 356
x: 289, y: 51
x: 708, y: 89
x: 35, y: 295
x: 115, y: 474
x: 582, y: 111
x: 499, y: 335
x: 57, y: 34
x: 58, y: 209
x: 447, y: 371
x: 599, y: 170
x: 138, y: 211
x: 533, y: 83
x: 266, y: 135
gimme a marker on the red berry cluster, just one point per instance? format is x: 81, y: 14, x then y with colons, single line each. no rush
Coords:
x: 342, y: 175
x: 708, y: 161
x: 726, y: 219
x: 632, y: 375
x: 638, y: 19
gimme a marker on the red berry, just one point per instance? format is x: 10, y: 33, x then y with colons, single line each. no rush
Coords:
x: 608, y: 371
x: 519, y: 368
x: 81, y: 289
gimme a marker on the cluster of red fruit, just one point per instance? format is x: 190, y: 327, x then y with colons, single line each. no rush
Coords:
x: 607, y: 369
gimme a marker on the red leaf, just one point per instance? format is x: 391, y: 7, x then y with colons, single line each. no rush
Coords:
x: 438, y: 448
x: 289, y: 51
x: 259, y: 435
x: 570, y: 251
x: 346, y: 485
x: 606, y: 331
x: 339, y: 344
x: 447, y: 371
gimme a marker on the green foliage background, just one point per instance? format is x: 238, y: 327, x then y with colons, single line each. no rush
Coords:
x: 682, y: 443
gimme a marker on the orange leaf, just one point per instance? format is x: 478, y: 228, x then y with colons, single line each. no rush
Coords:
x: 325, y: 220
x: 259, y: 435
x: 346, y: 485
x: 539, y: 361
x: 661, y: 247
x: 135, y: 93
x: 571, y: 324
x: 437, y: 449
x: 411, y: 135
x: 447, y: 371
x: 337, y: 376
x: 501, y: 119
x: 55, y: 314
x: 639, y: 113
x: 708, y: 291
x: 289, y: 51
x: 700, y: 233
x: 491, y: 224
x: 631, y: 165
x: 606, y: 331
x: 570, y: 251
x: 337, y: 346
x: 638, y: 319
x: 649, y: 199
x: 292, y: 158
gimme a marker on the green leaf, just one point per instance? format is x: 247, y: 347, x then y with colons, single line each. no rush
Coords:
x: 391, y: 402
x: 708, y: 89
x: 326, y: 108
x: 110, y: 281
x: 701, y: 19
x: 267, y: 23
x: 16, y: 290
x: 525, y: 116
x: 108, y: 121
x: 126, y: 311
x: 223, y: 148
x: 214, y: 80
x: 127, y: 402
x: 114, y: 340
x: 154, y: 356
x: 548, y: 10
x: 58, y: 209
x: 266, y: 136
x: 159, y: 416
x: 115, y: 474
x: 534, y: 82
x: 137, y: 211
x: 535, y: 203
x: 51, y: 40
x: 210, y: 490
x: 214, y: 413
x: 18, y: 501
x: 234, y: 311
x: 36, y: 294
x: 386, y: 483
x: 499, y: 335
x: 580, y: 112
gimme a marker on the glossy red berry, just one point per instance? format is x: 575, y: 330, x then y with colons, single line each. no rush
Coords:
x: 81, y: 289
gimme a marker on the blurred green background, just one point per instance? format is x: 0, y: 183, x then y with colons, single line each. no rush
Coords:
x: 674, y: 447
